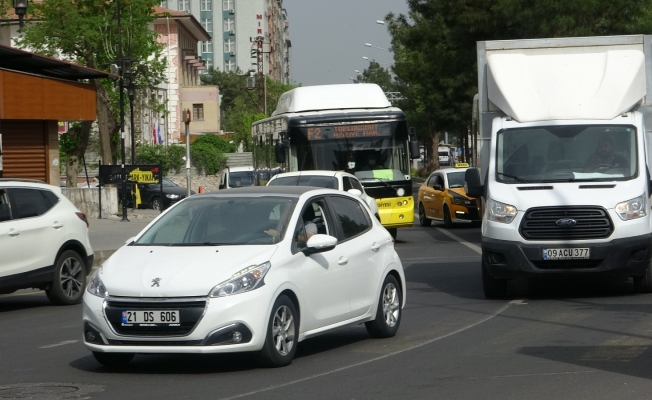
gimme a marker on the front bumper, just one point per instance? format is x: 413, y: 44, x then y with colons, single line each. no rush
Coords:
x: 212, y: 333
x: 619, y: 257
x: 393, y: 215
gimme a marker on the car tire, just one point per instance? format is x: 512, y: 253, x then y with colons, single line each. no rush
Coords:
x: 156, y: 204
x: 493, y: 288
x: 643, y: 283
x: 282, y: 335
x: 423, y: 220
x: 448, y: 221
x: 389, y: 310
x: 69, y: 279
x: 393, y: 232
x: 113, y: 359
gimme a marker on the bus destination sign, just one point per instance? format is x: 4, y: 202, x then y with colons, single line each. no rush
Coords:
x: 356, y: 131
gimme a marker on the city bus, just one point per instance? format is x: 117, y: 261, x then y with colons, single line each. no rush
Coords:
x: 352, y: 128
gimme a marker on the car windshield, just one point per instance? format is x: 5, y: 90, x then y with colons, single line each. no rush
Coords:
x: 566, y: 153
x: 167, y: 182
x: 225, y: 220
x: 329, y: 182
x: 241, y: 178
x: 455, y: 179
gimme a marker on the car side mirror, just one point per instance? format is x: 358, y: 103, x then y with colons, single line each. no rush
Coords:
x: 279, y: 152
x: 437, y: 186
x: 320, y: 243
x: 472, y: 184
x: 414, y: 149
x: 355, y: 192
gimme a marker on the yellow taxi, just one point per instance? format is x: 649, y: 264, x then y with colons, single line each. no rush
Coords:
x: 442, y: 198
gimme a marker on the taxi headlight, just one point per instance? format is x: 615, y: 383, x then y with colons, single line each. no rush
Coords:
x: 500, y: 212
x: 244, y: 280
x: 96, y: 286
x: 460, y: 201
x: 632, y: 209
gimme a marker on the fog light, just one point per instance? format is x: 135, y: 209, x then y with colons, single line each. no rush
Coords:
x: 90, y: 337
x: 400, y: 216
x: 639, y: 255
x: 237, y: 337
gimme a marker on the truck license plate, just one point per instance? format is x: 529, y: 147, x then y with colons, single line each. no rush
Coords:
x: 566, y: 253
x: 150, y: 317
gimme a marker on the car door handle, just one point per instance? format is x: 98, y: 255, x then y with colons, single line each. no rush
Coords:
x: 375, y: 246
x: 57, y: 225
x: 342, y: 261
x: 13, y: 232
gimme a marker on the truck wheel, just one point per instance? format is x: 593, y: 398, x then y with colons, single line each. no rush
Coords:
x: 643, y: 283
x: 493, y: 288
x: 448, y: 221
x: 423, y: 220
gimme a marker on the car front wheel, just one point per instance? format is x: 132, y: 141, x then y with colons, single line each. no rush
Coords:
x: 157, y: 204
x: 388, y: 314
x: 423, y: 220
x: 69, y: 279
x: 282, y: 334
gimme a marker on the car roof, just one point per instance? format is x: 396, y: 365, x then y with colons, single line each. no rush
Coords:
x: 289, y: 191
x: 239, y: 169
x: 315, y: 173
x: 18, y: 182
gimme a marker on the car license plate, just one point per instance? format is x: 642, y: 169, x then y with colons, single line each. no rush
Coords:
x: 573, y: 253
x: 147, y: 317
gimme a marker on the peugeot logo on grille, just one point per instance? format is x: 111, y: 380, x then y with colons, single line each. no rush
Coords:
x: 565, y: 222
x: 155, y: 282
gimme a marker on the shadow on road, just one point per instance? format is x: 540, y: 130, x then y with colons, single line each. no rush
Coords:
x: 24, y: 302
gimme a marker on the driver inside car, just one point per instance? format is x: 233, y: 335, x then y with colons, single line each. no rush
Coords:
x: 604, y: 156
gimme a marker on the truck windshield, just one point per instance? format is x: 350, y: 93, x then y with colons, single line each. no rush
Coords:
x: 566, y: 153
x: 242, y: 178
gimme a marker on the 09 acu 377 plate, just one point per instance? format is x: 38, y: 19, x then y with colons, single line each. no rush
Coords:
x: 573, y: 253
x: 154, y: 317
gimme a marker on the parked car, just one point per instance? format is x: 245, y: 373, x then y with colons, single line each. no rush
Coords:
x: 237, y: 271
x: 442, y: 198
x: 151, y: 196
x: 327, y: 179
x: 43, y: 241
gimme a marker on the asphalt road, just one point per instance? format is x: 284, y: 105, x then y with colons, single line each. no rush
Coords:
x: 563, y: 339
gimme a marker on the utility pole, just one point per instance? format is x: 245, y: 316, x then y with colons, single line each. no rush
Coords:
x: 123, y: 171
x: 186, y: 120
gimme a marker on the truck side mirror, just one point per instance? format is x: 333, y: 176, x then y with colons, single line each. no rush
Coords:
x: 279, y: 152
x: 414, y: 149
x: 472, y: 184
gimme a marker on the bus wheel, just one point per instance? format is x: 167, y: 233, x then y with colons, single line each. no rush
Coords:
x: 393, y: 232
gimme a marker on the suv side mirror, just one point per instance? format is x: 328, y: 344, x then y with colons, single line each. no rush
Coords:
x: 414, y: 149
x: 472, y: 184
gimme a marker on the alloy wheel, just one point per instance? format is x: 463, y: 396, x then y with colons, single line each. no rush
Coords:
x: 72, y: 276
x: 283, y: 330
x: 391, y: 305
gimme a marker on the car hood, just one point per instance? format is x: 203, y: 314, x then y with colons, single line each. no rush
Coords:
x: 181, y: 271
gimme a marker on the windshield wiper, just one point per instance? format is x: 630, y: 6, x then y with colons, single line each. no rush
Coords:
x: 381, y: 181
x: 516, y: 178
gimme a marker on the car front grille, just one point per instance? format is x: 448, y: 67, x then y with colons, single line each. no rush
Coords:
x: 541, y: 223
x: 190, y: 312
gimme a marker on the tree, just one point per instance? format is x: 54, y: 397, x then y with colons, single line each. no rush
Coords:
x: 86, y: 32
x: 207, y: 152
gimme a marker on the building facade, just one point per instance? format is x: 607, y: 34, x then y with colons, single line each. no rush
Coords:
x: 235, y: 27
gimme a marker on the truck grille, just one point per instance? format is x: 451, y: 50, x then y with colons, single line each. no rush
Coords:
x: 541, y: 223
x: 190, y: 312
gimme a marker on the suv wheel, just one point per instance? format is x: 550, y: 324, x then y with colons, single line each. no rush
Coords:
x: 69, y: 279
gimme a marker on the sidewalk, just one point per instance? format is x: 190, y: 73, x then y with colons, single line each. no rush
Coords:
x: 108, y: 235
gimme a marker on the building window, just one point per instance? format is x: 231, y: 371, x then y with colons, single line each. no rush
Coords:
x: 229, y: 66
x: 207, y: 23
x: 197, y: 112
x: 209, y: 65
x: 229, y: 45
x: 164, y: 4
x: 207, y: 5
x: 228, y: 5
x: 184, y: 5
x: 207, y: 47
x: 229, y: 25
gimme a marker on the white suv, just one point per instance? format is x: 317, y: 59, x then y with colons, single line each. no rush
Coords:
x: 338, y: 180
x: 43, y: 241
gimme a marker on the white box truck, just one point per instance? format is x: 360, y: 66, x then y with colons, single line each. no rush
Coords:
x: 566, y: 132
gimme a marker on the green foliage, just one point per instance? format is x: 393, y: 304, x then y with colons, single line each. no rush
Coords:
x: 169, y: 157
x: 206, y: 153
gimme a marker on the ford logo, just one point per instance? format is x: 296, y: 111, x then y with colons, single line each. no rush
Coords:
x: 565, y: 222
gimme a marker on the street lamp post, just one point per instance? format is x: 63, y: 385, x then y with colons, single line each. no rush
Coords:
x: 20, y: 6
x: 124, y: 66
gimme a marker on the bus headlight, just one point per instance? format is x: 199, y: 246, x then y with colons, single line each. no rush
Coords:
x: 500, y: 212
x: 632, y: 209
x: 400, y: 192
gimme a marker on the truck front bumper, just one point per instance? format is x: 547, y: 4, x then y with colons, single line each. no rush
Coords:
x: 619, y: 257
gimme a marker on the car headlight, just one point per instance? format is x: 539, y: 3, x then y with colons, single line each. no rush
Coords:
x: 96, y: 286
x: 500, y: 212
x: 460, y: 201
x: 172, y: 196
x: 245, y: 280
x: 632, y: 209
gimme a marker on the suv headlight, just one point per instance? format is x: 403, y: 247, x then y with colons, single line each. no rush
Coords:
x: 96, y: 286
x: 500, y: 212
x: 245, y: 280
x: 632, y: 209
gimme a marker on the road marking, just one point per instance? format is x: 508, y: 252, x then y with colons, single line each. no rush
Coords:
x: 530, y: 375
x: 467, y: 327
x: 470, y: 245
x: 65, y: 342
x: 519, y: 302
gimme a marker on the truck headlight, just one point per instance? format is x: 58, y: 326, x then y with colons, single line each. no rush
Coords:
x: 96, y: 286
x: 500, y: 212
x: 244, y: 280
x: 632, y: 209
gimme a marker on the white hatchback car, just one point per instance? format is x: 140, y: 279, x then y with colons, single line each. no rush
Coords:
x: 327, y: 179
x: 236, y: 271
x: 43, y: 241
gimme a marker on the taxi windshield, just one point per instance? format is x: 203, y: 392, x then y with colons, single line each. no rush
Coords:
x: 455, y: 179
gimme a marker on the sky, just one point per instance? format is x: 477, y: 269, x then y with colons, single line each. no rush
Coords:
x: 328, y: 38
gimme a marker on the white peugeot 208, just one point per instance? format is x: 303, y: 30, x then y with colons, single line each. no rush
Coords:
x: 250, y: 269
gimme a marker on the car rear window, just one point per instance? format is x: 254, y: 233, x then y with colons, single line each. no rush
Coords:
x: 329, y: 182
